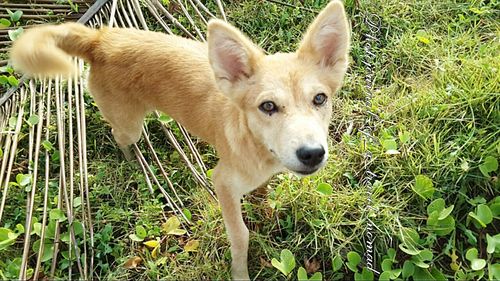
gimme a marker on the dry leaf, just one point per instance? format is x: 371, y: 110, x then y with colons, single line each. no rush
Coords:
x: 192, y: 246
x: 132, y: 262
x: 265, y: 263
x: 312, y: 266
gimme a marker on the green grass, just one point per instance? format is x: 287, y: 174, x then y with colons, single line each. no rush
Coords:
x: 444, y: 95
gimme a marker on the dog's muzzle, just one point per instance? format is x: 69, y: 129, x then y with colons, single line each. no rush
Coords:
x: 311, y: 158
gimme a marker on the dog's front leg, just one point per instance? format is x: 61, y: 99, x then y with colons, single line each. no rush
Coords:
x: 229, y: 192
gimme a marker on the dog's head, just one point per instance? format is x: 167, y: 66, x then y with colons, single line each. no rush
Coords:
x: 286, y: 98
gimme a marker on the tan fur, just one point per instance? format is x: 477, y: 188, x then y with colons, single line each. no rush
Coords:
x: 214, y: 90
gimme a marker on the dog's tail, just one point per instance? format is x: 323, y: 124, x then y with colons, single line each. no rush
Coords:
x: 46, y: 50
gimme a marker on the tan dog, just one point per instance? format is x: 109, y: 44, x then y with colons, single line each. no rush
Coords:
x: 263, y: 113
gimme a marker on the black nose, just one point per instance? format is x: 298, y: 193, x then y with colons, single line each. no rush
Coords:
x: 311, y: 156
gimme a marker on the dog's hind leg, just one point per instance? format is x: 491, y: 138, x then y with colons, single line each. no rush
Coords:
x: 126, y: 120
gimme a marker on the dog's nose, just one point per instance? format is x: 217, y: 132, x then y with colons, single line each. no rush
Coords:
x: 311, y: 156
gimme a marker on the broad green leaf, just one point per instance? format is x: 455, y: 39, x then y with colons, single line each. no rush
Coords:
x: 33, y: 120
x: 287, y: 263
x: 409, y: 237
x: 444, y: 226
x: 77, y: 202
x: 37, y: 228
x: 384, y: 276
x: 4, y: 80
x: 436, y: 206
x: 13, y: 122
x: 187, y: 213
x: 192, y: 246
x: 65, y: 237
x: 408, y: 269
x: 14, y: 34
x: 495, y: 207
x: 425, y: 255
x: 135, y: 238
x: 477, y: 264
x: 421, y: 274
x: 20, y: 228
x: 366, y: 275
x: 493, y: 243
x: 353, y: 259
x: 395, y: 273
x: 482, y: 216
x: 489, y: 165
x: 140, y: 231
x: 302, y: 274
x: 446, y: 212
x: 78, y: 228
x: 14, y: 267
x: 57, y: 214
x: 337, y: 263
x: 165, y: 118
x: 324, y: 188
x: 389, y: 144
x: 47, y: 145
x: 494, y: 271
x: 404, y: 136
x: 391, y: 253
x: 423, y: 187
x: 386, y: 265
x: 16, y: 16
x: 7, y: 237
x: 48, y: 249
x: 409, y: 249
x: 317, y: 276
x: 23, y: 180
x: 51, y: 229
x: 438, y: 275
x: 210, y: 173
x: 4, y: 23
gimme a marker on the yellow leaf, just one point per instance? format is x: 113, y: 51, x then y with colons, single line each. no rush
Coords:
x: 171, y: 224
x: 192, y: 246
x: 132, y: 262
x: 154, y: 253
x: 152, y: 243
x: 177, y: 232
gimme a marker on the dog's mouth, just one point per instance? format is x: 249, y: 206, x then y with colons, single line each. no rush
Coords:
x: 302, y: 171
x: 305, y: 172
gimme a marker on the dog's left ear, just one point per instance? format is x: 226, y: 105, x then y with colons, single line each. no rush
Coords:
x: 327, y: 38
x: 233, y: 57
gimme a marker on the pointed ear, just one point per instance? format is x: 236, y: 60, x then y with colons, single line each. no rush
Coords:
x: 232, y: 56
x: 327, y: 38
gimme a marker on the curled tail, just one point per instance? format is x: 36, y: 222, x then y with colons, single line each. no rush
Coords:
x: 47, y: 50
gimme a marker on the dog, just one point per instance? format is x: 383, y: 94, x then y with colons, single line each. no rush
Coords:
x: 263, y: 113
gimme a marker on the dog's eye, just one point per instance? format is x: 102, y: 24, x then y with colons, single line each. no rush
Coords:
x: 319, y: 99
x: 268, y: 107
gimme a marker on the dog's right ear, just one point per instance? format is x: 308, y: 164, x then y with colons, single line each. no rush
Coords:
x: 233, y: 57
